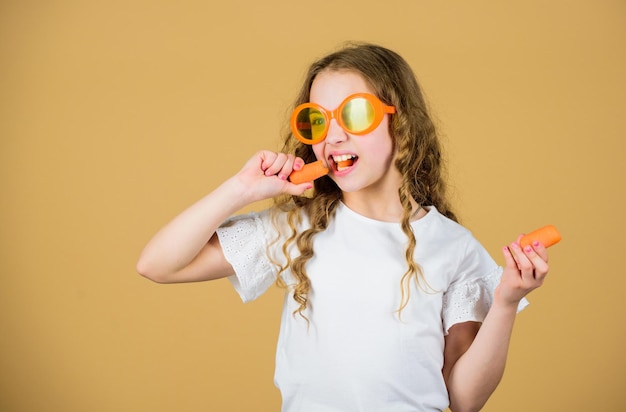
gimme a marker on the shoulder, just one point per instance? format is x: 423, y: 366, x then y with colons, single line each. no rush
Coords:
x: 442, y: 237
x: 441, y: 230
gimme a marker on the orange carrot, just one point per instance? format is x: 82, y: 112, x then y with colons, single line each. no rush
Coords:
x: 547, y: 236
x: 345, y: 163
x: 308, y: 173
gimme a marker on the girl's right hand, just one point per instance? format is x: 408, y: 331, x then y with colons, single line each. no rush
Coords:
x: 266, y: 175
x: 187, y: 249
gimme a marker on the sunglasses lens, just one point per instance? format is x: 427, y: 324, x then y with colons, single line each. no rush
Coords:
x: 358, y: 115
x: 310, y: 124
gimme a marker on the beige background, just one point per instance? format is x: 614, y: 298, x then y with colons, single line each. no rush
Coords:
x: 115, y: 115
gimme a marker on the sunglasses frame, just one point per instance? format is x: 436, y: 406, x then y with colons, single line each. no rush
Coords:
x: 380, y: 109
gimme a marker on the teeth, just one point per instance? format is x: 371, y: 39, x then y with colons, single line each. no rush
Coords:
x: 343, y: 158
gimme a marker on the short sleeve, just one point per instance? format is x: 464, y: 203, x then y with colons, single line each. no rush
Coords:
x: 470, y: 298
x: 243, y: 241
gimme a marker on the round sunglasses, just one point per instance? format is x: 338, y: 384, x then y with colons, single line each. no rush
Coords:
x: 358, y: 114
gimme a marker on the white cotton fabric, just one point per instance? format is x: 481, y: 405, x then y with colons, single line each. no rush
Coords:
x: 356, y: 353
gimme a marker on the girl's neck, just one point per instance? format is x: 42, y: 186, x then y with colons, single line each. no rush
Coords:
x: 379, y: 207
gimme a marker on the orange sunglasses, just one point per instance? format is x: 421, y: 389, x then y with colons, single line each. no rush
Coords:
x: 358, y: 114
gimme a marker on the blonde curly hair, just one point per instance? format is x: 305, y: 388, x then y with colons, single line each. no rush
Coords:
x: 419, y: 161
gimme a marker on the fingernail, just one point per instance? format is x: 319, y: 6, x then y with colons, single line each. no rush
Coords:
x: 528, y: 249
x: 536, y: 243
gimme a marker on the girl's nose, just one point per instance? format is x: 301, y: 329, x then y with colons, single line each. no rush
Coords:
x: 336, y: 134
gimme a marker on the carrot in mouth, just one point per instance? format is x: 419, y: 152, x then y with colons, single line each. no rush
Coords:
x: 345, y: 163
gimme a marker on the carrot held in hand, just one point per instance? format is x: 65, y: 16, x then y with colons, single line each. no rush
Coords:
x: 547, y: 236
x: 308, y: 173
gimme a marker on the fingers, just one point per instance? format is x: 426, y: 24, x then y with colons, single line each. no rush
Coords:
x: 297, y: 190
x: 537, y: 247
x: 538, y: 257
x: 530, y: 262
x: 524, y: 266
x: 508, y: 258
x: 280, y: 164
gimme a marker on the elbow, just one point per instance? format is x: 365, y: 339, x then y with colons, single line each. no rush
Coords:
x: 469, y: 405
x: 465, y: 409
x: 148, y: 271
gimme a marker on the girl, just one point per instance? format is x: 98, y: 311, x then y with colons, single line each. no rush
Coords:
x: 390, y: 304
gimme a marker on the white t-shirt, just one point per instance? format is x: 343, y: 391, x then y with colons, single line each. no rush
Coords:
x: 357, y: 353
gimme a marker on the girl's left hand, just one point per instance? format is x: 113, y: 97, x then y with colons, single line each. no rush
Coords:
x: 525, y: 271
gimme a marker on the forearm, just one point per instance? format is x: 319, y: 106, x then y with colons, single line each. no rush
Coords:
x: 181, y: 240
x: 478, y: 372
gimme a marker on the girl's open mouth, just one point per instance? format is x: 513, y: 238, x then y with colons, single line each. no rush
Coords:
x: 343, y: 162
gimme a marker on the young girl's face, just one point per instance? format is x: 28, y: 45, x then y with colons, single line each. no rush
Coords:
x: 373, y: 153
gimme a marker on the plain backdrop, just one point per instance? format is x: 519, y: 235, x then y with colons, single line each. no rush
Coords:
x: 116, y: 115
